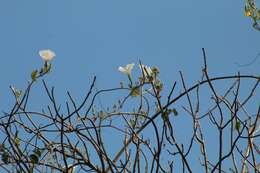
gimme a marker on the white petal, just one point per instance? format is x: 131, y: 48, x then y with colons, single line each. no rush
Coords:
x: 47, y: 55
x: 127, y: 69
x: 122, y: 69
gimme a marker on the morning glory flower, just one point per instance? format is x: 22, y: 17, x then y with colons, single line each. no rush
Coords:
x: 47, y: 55
x: 127, y: 69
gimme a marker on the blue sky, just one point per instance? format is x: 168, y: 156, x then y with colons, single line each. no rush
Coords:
x: 95, y: 37
x: 91, y: 37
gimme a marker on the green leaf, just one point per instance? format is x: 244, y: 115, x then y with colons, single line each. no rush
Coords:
x: 31, y: 169
x: 2, y: 147
x: 17, y: 92
x: 37, y: 152
x: 34, y: 158
x: 101, y: 115
x: 158, y: 85
x: 16, y: 139
x: 34, y: 75
x: 135, y: 92
x: 238, y: 125
x: 121, y: 85
x: 5, y: 157
x: 175, y: 112
x: 47, y: 68
x: 258, y: 14
x: 155, y: 70
x: 165, y: 115
x: 132, y: 123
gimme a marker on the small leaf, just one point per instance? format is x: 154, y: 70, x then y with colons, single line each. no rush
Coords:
x: 258, y: 14
x: 155, y: 70
x: 18, y: 93
x: 16, y: 139
x: 121, y: 85
x: 248, y: 13
x: 34, y: 75
x: 47, y: 68
x: 238, y: 125
x: 2, y: 147
x: 158, y: 85
x: 38, y: 152
x: 132, y: 123
x: 34, y: 158
x: 5, y: 157
x: 101, y: 115
x: 175, y: 112
x: 31, y: 169
x: 135, y: 92
x: 165, y: 115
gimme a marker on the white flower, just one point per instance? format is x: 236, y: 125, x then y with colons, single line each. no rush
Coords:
x: 147, y: 71
x: 127, y: 69
x: 47, y: 55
